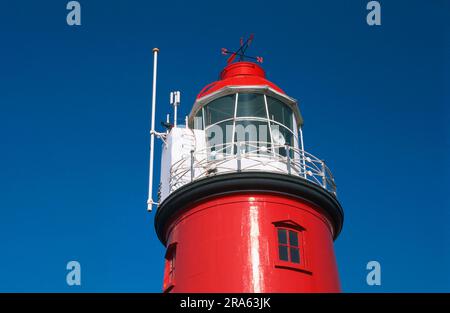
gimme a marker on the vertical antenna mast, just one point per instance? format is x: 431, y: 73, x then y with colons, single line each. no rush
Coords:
x: 175, y: 101
x: 150, y: 201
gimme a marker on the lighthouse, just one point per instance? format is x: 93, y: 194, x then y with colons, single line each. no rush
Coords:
x: 241, y: 206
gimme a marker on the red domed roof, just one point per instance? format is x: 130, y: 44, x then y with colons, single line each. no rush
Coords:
x: 239, y: 74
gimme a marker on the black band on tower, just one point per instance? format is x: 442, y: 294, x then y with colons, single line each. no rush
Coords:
x: 239, y: 182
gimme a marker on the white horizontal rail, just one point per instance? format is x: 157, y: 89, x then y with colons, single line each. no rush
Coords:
x: 250, y: 156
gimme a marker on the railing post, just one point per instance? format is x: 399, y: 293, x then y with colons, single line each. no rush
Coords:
x: 302, y: 147
x: 324, y: 175
x: 238, y: 156
x: 192, y: 165
x: 288, y: 156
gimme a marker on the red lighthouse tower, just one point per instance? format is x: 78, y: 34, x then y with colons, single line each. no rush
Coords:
x: 242, y: 206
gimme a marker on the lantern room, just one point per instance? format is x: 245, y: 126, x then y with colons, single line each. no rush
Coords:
x: 244, y: 109
x: 242, y: 122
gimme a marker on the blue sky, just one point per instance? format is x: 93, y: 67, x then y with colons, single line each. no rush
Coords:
x: 74, y: 119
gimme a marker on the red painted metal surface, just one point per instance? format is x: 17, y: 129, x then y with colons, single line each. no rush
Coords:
x: 240, y: 74
x: 229, y: 244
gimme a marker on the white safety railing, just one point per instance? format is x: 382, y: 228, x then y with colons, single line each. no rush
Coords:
x: 250, y: 156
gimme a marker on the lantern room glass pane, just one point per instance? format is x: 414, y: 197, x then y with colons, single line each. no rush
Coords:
x: 281, y: 137
x: 280, y: 112
x: 253, y: 135
x: 198, y: 120
x: 252, y: 105
x: 220, y: 109
x: 219, y: 137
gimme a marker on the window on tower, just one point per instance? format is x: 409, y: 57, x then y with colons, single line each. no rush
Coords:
x: 169, y: 268
x: 288, y: 245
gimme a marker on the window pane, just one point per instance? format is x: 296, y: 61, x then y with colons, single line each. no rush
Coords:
x: 219, y: 109
x: 251, y: 105
x: 255, y: 134
x: 219, y: 138
x: 295, y: 255
x: 282, y: 237
x: 281, y: 137
x: 283, y: 251
x: 198, y: 120
x: 293, y: 238
x: 280, y: 112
